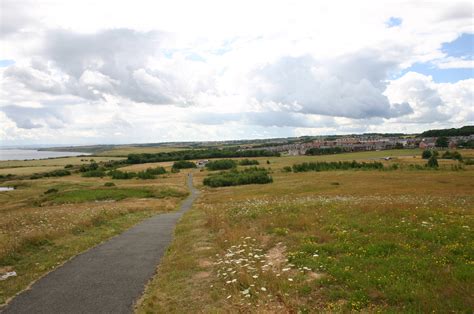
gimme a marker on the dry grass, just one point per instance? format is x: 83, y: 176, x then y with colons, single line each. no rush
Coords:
x: 61, y: 161
x: 36, y: 235
x: 25, y: 171
x: 329, y: 241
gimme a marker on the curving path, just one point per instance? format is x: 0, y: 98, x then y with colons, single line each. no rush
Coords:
x: 108, y: 278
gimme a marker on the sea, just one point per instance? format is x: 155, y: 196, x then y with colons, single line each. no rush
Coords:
x: 30, y: 154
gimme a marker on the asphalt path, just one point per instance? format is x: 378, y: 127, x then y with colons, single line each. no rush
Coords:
x: 108, y: 278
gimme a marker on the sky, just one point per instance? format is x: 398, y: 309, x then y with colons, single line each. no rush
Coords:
x: 96, y: 72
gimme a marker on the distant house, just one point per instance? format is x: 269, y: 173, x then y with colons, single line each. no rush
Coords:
x: 201, y: 163
x: 428, y: 143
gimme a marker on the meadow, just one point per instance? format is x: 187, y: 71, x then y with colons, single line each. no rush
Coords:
x: 47, y: 221
x: 342, y: 240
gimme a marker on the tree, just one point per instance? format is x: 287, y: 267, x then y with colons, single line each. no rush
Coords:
x: 432, y: 162
x: 426, y: 154
x: 442, y: 141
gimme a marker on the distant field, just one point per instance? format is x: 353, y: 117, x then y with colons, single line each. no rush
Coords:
x: 335, y: 241
x: 124, y: 151
x: 21, y: 171
x: 62, y: 161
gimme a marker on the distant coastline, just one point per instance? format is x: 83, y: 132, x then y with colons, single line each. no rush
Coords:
x: 34, y: 154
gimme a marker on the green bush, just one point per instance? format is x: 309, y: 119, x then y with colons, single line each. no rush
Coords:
x: 51, y: 191
x: 324, y: 151
x: 452, y: 155
x: 54, y: 173
x: 222, y: 164
x: 145, y: 175
x: 94, y: 173
x: 341, y: 165
x: 121, y: 175
x: 249, y: 162
x: 432, y: 162
x: 184, y: 164
x: 156, y: 171
x: 68, y: 166
x: 235, y: 177
x: 287, y: 169
x: 426, y: 154
x: 89, y: 167
x: 109, y: 184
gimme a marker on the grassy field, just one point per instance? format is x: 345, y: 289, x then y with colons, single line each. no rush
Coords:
x: 61, y: 161
x: 390, y: 241
x: 125, y: 150
x: 40, y: 230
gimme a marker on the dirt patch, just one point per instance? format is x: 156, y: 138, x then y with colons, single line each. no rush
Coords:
x: 202, y: 275
x: 276, y: 256
x: 204, y: 263
x: 315, y: 276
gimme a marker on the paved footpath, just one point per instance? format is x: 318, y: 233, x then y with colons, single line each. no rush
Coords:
x: 108, y: 278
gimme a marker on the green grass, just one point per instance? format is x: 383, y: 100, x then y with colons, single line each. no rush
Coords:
x: 338, y: 241
x: 116, y: 194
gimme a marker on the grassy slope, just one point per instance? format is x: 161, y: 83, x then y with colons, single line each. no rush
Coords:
x: 354, y: 240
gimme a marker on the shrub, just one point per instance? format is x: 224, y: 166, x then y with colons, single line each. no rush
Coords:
x: 54, y: 173
x: 109, y: 184
x: 341, y: 165
x: 89, y: 167
x: 442, y: 141
x: 432, y: 162
x: 452, y: 155
x: 184, y: 164
x: 121, y: 175
x: 248, y: 162
x: 156, y: 171
x: 222, y: 164
x: 68, y: 166
x: 234, y: 177
x: 51, y: 191
x: 324, y: 151
x: 469, y: 162
x: 426, y: 154
x: 94, y: 173
x: 145, y: 175
x: 287, y: 169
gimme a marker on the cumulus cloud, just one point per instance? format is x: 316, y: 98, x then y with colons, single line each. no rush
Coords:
x: 161, y: 70
x: 349, y: 86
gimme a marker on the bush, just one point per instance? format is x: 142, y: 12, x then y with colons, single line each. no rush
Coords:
x: 426, y: 154
x: 89, y: 167
x: 68, y: 166
x: 109, y: 184
x: 51, y: 191
x: 469, y: 162
x: 94, y: 173
x: 234, y: 177
x: 248, y: 162
x: 156, y: 171
x: 222, y: 164
x: 184, y: 164
x: 287, y: 169
x: 341, y: 165
x: 452, y: 155
x: 324, y: 151
x: 442, y: 141
x: 145, y: 175
x: 432, y: 162
x: 121, y: 175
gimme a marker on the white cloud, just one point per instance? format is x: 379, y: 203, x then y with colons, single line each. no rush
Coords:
x: 180, y: 70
